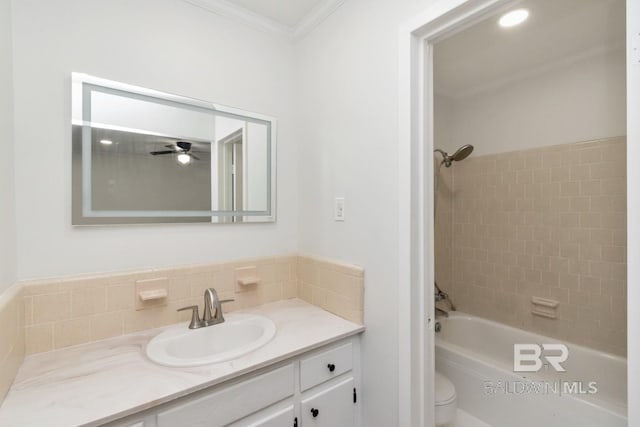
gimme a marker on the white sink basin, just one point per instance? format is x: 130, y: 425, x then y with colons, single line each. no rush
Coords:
x: 240, y: 334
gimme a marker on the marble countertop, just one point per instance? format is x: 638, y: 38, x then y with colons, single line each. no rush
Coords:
x: 102, y: 381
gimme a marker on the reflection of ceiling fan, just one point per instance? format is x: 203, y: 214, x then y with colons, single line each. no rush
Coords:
x: 181, y: 148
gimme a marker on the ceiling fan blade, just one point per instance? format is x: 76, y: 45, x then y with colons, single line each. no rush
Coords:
x: 156, y: 153
x: 195, y: 157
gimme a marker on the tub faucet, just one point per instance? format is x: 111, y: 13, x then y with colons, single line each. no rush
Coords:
x: 442, y: 296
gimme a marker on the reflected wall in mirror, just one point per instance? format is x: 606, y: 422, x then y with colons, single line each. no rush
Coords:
x: 143, y: 156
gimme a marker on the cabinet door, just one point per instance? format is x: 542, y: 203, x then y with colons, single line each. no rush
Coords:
x: 270, y: 417
x: 331, y: 407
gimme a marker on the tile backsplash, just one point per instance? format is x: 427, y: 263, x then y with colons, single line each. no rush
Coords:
x: 65, y: 312
x: 12, y: 347
x: 548, y: 223
x: 335, y: 287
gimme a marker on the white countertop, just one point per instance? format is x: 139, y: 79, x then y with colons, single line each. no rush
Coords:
x: 105, y: 380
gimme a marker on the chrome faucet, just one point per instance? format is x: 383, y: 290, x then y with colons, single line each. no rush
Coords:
x: 211, y: 302
x: 438, y: 295
x: 442, y: 296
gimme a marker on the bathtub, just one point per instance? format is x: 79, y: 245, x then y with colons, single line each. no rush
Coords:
x: 477, y: 356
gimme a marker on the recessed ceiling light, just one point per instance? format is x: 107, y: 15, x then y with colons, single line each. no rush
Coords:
x: 513, y: 18
x: 184, y: 159
x: 106, y: 141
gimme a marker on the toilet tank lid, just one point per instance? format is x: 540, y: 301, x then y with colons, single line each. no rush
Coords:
x: 444, y: 389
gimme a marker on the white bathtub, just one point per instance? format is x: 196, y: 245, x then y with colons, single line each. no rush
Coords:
x: 477, y: 356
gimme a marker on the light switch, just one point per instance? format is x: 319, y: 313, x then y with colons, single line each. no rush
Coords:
x: 339, y: 209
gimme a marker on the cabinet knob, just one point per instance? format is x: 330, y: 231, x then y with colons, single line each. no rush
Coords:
x: 314, y: 412
x: 331, y: 367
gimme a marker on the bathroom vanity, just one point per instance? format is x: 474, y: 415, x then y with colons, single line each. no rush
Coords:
x: 315, y: 389
x: 308, y: 375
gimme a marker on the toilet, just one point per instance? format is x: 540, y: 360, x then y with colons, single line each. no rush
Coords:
x: 445, y: 397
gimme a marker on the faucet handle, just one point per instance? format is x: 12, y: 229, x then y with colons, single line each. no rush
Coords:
x: 195, y: 317
x: 227, y: 300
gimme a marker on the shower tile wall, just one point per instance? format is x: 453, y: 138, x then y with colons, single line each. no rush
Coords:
x: 443, y: 230
x: 548, y: 222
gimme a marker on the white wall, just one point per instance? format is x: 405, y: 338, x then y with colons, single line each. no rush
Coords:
x: 579, y: 101
x: 7, y: 201
x: 168, y: 45
x: 347, y: 75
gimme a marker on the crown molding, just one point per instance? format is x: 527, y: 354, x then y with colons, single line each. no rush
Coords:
x: 245, y: 16
x: 260, y: 22
x: 315, y: 17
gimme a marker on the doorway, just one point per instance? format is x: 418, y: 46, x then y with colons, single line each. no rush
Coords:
x: 416, y: 196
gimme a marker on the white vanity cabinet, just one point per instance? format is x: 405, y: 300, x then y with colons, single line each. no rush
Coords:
x: 315, y: 389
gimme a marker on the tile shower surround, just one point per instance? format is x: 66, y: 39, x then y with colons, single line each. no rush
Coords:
x: 547, y: 222
x: 65, y: 312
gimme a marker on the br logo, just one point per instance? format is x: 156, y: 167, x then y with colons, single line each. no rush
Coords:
x: 528, y: 357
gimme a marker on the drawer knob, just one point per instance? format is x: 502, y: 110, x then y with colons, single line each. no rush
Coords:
x: 314, y: 412
x: 331, y: 367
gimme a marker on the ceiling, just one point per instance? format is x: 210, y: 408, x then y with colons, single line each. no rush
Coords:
x: 286, y: 12
x: 486, y: 55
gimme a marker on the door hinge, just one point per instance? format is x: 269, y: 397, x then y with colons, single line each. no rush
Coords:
x: 355, y: 395
x: 295, y: 422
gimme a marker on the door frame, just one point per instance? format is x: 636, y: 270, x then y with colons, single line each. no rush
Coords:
x: 415, y: 197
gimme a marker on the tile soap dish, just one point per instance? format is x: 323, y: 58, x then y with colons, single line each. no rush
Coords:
x: 250, y: 280
x: 247, y: 276
x: 151, y: 292
x: 544, y: 307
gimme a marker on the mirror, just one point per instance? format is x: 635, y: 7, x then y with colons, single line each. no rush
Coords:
x: 143, y: 156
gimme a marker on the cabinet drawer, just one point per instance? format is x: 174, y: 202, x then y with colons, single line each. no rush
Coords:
x: 232, y: 403
x: 324, y: 366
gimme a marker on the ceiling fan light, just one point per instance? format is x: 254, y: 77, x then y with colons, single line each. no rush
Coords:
x: 184, y: 159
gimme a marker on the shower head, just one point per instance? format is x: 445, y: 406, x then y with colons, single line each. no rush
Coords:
x: 460, y: 154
